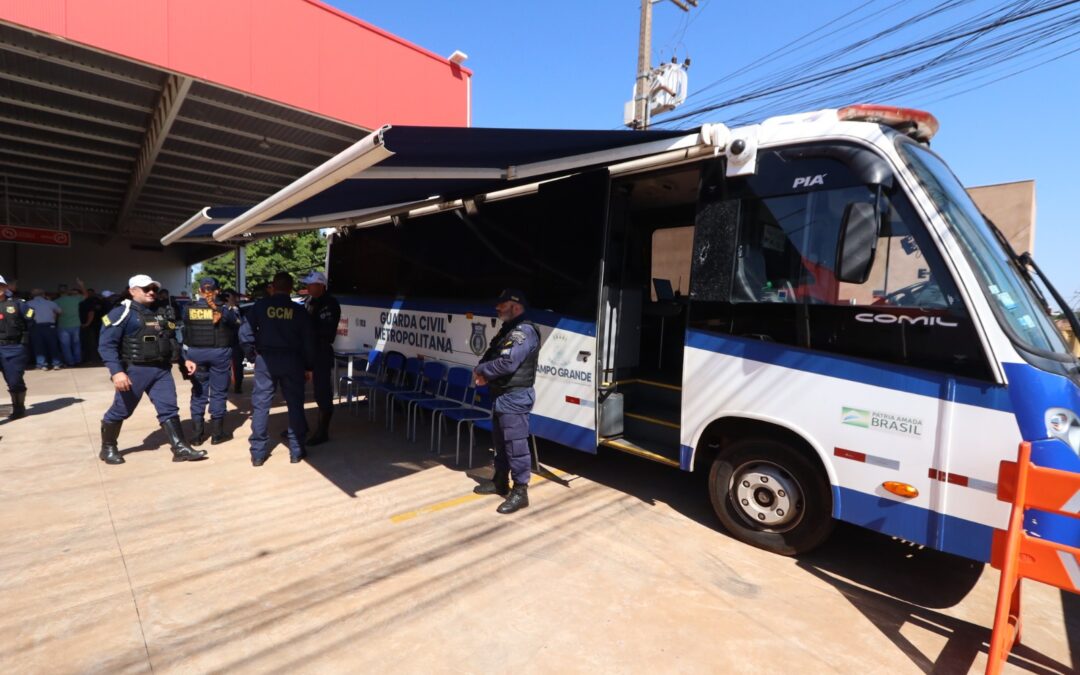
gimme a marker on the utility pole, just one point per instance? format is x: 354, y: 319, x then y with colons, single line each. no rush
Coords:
x: 642, y: 95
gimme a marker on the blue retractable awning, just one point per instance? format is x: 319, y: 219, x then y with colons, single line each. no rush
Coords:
x: 397, y: 169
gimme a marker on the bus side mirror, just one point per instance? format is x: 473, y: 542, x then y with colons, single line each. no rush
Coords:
x: 858, y: 242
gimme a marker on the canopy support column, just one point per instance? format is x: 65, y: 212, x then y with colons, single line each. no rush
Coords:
x: 240, y: 268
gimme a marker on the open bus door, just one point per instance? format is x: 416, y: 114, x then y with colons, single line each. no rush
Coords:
x: 643, y: 311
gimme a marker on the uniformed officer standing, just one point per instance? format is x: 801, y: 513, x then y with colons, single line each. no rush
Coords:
x: 14, y: 337
x: 276, y: 334
x: 138, y: 345
x: 209, y: 333
x: 508, y: 367
x: 325, y: 312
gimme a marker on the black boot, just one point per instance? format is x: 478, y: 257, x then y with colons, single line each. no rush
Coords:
x: 518, y: 499
x: 198, y: 430
x: 18, y: 405
x: 110, y: 432
x: 322, y: 433
x: 217, y: 431
x: 498, y: 485
x: 182, y: 452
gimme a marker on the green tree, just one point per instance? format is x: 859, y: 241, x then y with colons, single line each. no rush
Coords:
x: 293, y: 253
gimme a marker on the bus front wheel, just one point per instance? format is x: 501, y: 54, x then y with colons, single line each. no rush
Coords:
x: 770, y: 495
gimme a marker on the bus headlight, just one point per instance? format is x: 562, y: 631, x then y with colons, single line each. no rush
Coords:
x: 1064, y: 424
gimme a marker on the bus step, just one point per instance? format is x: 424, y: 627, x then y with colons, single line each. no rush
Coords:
x: 656, y: 452
x: 659, y: 402
x: 651, y: 428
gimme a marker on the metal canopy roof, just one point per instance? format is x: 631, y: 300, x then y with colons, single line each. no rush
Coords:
x: 97, y: 143
x: 401, y: 168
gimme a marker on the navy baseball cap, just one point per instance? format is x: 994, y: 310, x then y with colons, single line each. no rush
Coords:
x: 208, y: 283
x: 512, y: 295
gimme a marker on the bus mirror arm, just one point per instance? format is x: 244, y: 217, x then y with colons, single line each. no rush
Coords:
x: 857, y: 243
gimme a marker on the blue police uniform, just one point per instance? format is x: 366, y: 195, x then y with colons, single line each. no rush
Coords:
x: 208, y: 337
x: 276, y: 333
x: 140, y: 341
x: 15, y: 318
x: 325, y: 313
x: 509, y: 366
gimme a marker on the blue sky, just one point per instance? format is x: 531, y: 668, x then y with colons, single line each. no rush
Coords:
x: 563, y: 64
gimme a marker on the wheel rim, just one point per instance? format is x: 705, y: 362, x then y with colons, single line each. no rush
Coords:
x: 766, y: 496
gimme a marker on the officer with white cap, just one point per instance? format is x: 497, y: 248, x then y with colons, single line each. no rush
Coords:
x: 15, y: 317
x: 325, y: 312
x: 138, y: 345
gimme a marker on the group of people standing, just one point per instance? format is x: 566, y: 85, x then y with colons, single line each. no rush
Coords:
x: 142, y: 338
x: 63, y: 330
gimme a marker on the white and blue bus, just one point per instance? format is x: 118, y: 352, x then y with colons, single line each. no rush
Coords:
x: 811, y: 310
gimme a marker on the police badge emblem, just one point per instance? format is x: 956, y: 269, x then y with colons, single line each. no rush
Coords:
x: 478, y: 339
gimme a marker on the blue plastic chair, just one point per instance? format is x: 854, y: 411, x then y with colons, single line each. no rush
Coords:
x: 408, y: 383
x: 368, y: 374
x: 431, y: 387
x: 344, y: 381
x: 479, y: 411
x: 488, y: 425
x: 455, y: 394
x: 392, y: 365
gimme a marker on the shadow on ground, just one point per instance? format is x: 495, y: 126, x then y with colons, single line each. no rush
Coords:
x: 42, y: 407
x: 894, y: 584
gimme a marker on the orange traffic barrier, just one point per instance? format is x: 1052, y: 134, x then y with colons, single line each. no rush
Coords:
x: 1020, y: 556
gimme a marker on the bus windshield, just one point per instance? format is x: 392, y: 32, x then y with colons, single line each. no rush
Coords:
x: 1016, y: 301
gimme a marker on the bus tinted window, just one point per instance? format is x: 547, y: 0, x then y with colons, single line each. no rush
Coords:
x: 782, y: 281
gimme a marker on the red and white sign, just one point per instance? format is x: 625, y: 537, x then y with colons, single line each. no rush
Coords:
x: 34, y: 235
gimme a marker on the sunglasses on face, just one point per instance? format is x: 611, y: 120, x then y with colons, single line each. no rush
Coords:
x: 149, y: 289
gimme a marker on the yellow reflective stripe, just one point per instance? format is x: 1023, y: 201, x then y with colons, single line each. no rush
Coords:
x: 458, y: 501
x: 640, y: 453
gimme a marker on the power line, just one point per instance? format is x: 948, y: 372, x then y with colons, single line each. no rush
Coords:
x: 1023, y: 28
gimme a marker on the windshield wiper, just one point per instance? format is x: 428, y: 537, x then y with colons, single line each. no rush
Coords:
x: 1070, y: 316
x: 1019, y: 263
x: 1025, y: 261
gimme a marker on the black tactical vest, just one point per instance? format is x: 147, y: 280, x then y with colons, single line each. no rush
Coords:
x: 201, y: 331
x: 12, y: 325
x: 155, y: 341
x: 525, y: 375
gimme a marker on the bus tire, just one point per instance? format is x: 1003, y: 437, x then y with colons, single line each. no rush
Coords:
x: 770, y: 495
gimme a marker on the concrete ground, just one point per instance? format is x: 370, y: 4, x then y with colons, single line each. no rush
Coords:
x: 374, y: 556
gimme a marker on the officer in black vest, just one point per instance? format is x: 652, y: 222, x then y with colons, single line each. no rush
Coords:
x: 325, y: 312
x: 508, y: 367
x: 138, y: 345
x: 276, y: 334
x: 209, y: 334
x: 15, y: 319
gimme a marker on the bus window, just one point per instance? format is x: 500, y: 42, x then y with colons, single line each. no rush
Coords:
x: 783, y: 286
x: 671, y: 249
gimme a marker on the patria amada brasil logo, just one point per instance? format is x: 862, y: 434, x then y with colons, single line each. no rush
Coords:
x: 881, y: 421
x: 855, y: 417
